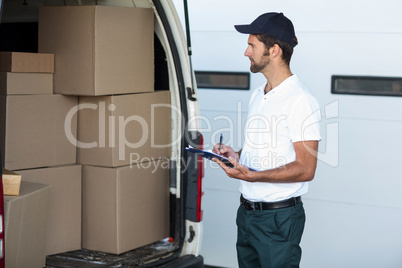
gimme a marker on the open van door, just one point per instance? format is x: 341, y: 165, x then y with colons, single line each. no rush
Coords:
x: 172, y: 72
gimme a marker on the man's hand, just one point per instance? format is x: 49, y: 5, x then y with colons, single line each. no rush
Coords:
x: 226, y: 151
x: 238, y: 171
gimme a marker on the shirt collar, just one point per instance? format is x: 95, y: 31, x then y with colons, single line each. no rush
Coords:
x: 280, y: 87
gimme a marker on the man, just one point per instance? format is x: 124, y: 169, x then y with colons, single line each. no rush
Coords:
x: 281, y: 143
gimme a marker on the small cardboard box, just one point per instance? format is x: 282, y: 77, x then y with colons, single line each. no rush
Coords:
x: 25, y: 224
x: 21, y: 62
x: 64, y: 225
x: 25, y: 83
x: 11, y: 182
x: 99, y: 50
x: 125, y: 208
x: 38, y: 130
x: 124, y: 129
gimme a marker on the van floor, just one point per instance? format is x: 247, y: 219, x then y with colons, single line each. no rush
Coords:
x: 134, y: 258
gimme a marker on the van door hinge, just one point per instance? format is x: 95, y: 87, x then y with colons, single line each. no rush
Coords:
x: 192, y: 234
x: 190, y: 93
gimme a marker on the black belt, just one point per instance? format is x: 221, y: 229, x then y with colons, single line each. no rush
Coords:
x: 269, y: 205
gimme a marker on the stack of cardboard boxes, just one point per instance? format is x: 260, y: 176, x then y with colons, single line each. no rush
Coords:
x: 104, y: 121
x: 33, y: 141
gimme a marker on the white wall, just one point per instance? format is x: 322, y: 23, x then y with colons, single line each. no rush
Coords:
x: 354, y: 206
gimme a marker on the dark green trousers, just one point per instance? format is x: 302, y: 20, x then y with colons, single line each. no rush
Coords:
x: 270, y: 238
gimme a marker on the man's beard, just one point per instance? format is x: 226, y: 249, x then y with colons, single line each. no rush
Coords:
x: 256, y: 68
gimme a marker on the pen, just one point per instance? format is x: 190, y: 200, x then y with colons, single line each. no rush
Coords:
x: 220, y: 143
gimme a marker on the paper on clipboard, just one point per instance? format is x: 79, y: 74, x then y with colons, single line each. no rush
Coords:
x: 209, y: 155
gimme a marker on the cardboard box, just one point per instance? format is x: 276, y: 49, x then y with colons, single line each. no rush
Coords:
x: 64, y: 224
x: 120, y: 130
x: 124, y: 208
x: 11, y: 182
x: 37, y: 130
x: 21, y: 62
x: 99, y: 50
x: 26, y: 83
x: 25, y: 223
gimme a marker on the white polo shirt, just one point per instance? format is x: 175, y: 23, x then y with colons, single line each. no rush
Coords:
x: 286, y: 114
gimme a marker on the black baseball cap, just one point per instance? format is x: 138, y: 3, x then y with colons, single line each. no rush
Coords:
x: 272, y: 23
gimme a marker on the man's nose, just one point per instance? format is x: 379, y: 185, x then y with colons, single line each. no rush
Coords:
x: 247, y: 53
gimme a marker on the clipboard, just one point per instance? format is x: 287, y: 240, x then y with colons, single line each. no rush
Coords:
x: 209, y: 155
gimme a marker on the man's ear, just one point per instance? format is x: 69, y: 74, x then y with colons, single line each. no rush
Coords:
x: 275, y: 50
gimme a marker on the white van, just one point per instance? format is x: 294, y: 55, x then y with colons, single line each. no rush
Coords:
x: 18, y: 32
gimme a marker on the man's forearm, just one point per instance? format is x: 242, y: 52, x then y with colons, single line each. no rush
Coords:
x: 300, y: 170
x: 291, y: 172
